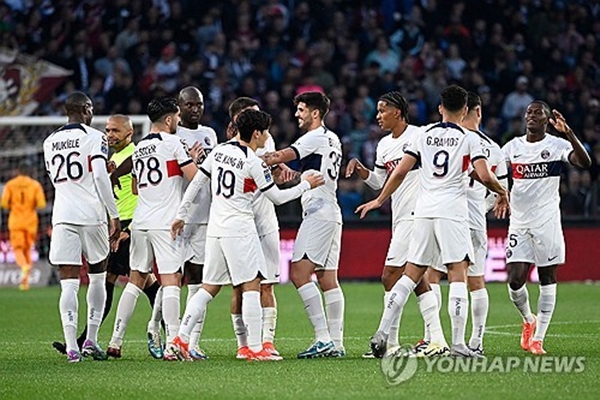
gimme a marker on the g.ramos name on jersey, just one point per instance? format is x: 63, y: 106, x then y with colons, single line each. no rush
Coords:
x: 537, y: 170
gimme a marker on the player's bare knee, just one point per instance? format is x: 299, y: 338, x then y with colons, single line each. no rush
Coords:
x: 517, y: 275
x: 69, y: 272
x: 111, y: 278
x: 193, y: 273
x: 139, y: 279
x: 475, y: 283
x: 327, y: 280
x: 433, y: 275
x: 97, y: 268
x: 547, y: 275
x: 390, y: 276
x: 423, y: 286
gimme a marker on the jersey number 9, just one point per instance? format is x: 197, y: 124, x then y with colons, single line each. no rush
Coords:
x: 225, y: 183
x: 440, y: 162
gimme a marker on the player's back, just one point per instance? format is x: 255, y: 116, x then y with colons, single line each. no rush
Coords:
x: 233, y: 189
x: 157, y: 162
x: 476, y: 192
x: 207, y: 138
x: 445, y: 150
x: 320, y: 150
x: 68, y: 153
x: 22, y: 195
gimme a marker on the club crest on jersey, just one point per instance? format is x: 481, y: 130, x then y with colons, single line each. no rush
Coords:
x: 207, y: 141
x: 404, y: 147
x: 545, y: 154
x: 509, y: 253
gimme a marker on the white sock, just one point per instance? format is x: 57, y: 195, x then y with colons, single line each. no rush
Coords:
x: 252, y: 315
x: 393, y: 338
x: 171, y: 310
x: 546, y: 304
x: 68, y: 305
x: 125, y: 309
x: 96, y: 300
x: 154, y: 323
x: 195, y: 309
x: 428, y: 306
x: 197, y: 331
x: 520, y: 299
x: 269, y: 323
x: 435, y: 288
x: 480, y: 304
x: 398, y: 298
x: 239, y: 328
x: 313, y: 304
x: 334, y: 306
x: 458, y: 308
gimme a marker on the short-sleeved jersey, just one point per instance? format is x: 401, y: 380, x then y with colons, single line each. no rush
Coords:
x: 207, y: 137
x: 126, y: 200
x: 68, y: 154
x: 265, y: 217
x: 157, y: 162
x: 236, y: 174
x: 389, y: 152
x: 320, y: 150
x: 477, y: 192
x: 22, y: 195
x: 445, y: 151
x: 536, y: 169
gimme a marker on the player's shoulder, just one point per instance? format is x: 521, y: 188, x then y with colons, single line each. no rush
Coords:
x: 558, y: 141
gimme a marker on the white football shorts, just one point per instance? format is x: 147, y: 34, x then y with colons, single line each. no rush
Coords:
x: 233, y: 260
x: 150, y: 245
x: 69, y: 242
x: 437, y: 236
x: 319, y: 241
x: 480, y: 248
x: 543, y: 246
x: 270, y: 248
x: 194, y: 238
x: 398, y: 250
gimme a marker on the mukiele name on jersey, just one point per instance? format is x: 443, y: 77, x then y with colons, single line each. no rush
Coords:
x: 229, y: 160
x: 145, y: 151
x: 537, y: 170
x: 442, y: 142
x: 65, y: 144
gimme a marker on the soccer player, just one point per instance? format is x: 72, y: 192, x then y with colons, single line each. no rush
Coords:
x: 236, y: 173
x: 160, y: 161
x: 119, y: 132
x: 200, y: 140
x: 267, y: 228
x: 444, y: 151
x: 535, y: 232
x: 317, y: 247
x: 392, y: 115
x: 75, y: 157
x: 477, y: 206
x: 22, y: 196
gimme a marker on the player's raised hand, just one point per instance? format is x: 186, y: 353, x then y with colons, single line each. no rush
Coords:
x: 177, y: 228
x: 502, y: 207
x: 315, y: 180
x: 115, y: 229
x: 363, y: 209
x: 197, y: 152
x: 354, y: 165
x: 559, y: 122
x: 287, y: 174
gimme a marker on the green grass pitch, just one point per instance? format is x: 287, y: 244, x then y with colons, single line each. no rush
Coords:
x: 30, y: 368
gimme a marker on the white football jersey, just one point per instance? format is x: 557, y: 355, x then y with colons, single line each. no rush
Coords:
x: 320, y: 150
x: 68, y: 154
x: 157, y: 162
x: 390, y: 151
x: 207, y: 138
x: 536, y: 169
x: 477, y: 192
x: 445, y: 152
x: 235, y: 173
x: 264, y: 210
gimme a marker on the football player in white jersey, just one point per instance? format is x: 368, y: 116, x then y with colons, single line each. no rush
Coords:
x: 445, y: 152
x: 75, y: 157
x: 478, y: 208
x: 392, y: 115
x: 535, y: 232
x: 235, y: 173
x: 267, y: 227
x: 160, y: 161
x: 200, y: 140
x: 317, y: 246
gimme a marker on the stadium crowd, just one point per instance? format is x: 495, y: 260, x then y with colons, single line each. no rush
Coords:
x: 508, y: 51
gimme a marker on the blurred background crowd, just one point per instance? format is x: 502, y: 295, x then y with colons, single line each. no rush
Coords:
x: 124, y: 53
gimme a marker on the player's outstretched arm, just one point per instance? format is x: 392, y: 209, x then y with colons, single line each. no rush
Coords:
x: 200, y: 179
x: 278, y: 196
x: 394, y: 181
x: 123, y: 169
x: 280, y: 156
x: 483, y: 174
x: 103, y: 186
x: 580, y: 157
